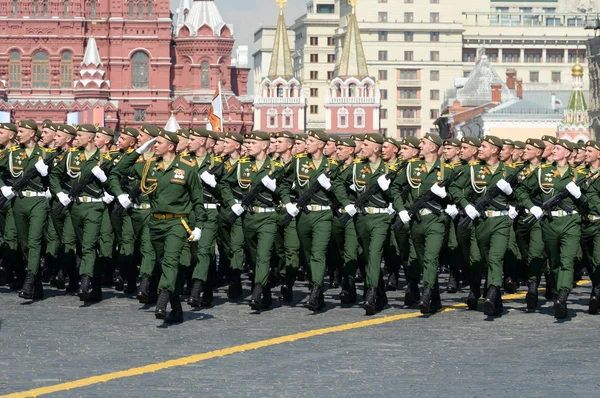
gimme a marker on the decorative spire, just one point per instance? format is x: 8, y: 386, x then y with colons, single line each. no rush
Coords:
x: 353, y: 61
x: 281, y: 58
x: 92, y: 56
x: 172, y: 124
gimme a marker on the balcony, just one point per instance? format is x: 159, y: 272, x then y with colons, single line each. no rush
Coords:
x: 408, y: 121
x: 408, y: 102
x: 280, y: 100
x: 351, y: 100
x: 408, y: 83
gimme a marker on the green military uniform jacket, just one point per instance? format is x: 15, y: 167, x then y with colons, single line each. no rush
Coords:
x: 302, y: 174
x: 543, y: 183
x: 214, y: 165
x: 14, y: 162
x: 128, y: 182
x: 243, y: 177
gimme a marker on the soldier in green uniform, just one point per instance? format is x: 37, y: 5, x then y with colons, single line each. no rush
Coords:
x: 390, y: 151
x: 259, y: 221
x: 9, y: 267
x: 517, y: 154
x: 561, y: 229
x: 492, y: 229
x: 512, y: 257
x: 314, y: 223
x: 372, y: 222
x: 171, y: 182
x: 30, y: 206
x: 429, y: 225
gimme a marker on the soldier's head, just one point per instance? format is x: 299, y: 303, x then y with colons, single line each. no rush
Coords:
x: 257, y: 143
x: 451, y: 149
x: 469, y: 146
x: 389, y: 149
x: 345, y: 150
x: 592, y: 152
x: 316, y: 141
x: 273, y: 144
x: 127, y: 139
x: 166, y: 143
x: 371, y: 146
x: 561, y: 151
x: 104, y: 137
x: 27, y: 131
x: 64, y: 136
x: 490, y: 148
x: 8, y: 134
x: 430, y: 145
x: 183, y: 136
x: 580, y: 157
x: 85, y: 135
x: 299, y: 144
x: 330, y: 146
x: 284, y: 142
x: 409, y: 148
x: 231, y: 143
x: 534, y: 148
x: 48, y: 133
x: 507, y: 150
x: 517, y: 154
x: 549, y: 142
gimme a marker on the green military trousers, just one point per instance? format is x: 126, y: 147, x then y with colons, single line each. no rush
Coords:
x: 142, y: 241
x: 287, y: 247
x: 260, y: 230
x: 428, y: 238
x: 531, y: 248
x: 206, y: 245
x: 168, y: 238
x: 561, y: 237
x: 314, y: 232
x: 492, y: 236
x: 87, y: 221
x: 372, y: 231
x: 31, y: 215
x: 346, y: 244
x: 231, y: 239
x: 590, y: 246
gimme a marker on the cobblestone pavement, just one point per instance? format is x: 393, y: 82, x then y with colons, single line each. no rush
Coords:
x: 455, y: 353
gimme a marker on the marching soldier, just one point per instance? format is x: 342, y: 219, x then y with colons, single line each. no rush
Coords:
x: 451, y: 153
x: 517, y: 155
x: 391, y: 253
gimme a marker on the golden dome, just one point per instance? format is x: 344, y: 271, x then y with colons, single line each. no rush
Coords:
x: 577, y: 69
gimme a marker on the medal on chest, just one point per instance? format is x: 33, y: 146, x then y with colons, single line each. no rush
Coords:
x: 307, y: 167
x: 179, y: 174
x: 366, y: 170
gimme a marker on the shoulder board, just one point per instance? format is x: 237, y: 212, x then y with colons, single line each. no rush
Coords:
x: 73, y: 149
x: 359, y: 161
x: 544, y: 165
x: 107, y: 156
x: 455, y: 164
x: 515, y: 164
x: 14, y: 148
x: 48, y: 150
x: 333, y: 162
x: 414, y: 160
x: 301, y: 155
x: 580, y: 168
x: 475, y: 163
x: 113, y: 151
x: 218, y: 159
x: 449, y: 166
x: 244, y: 160
x: 276, y: 164
x: 189, y: 162
x: 184, y: 154
x: 393, y: 166
x: 130, y: 150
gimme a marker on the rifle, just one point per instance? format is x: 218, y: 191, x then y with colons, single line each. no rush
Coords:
x: 556, y: 200
x: 254, y: 192
x: 307, y: 196
x: 490, y: 196
x: 26, y: 177
x: 423, y: 201
x: 362, y: 200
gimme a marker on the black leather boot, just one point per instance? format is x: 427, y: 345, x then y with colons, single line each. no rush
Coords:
x: 197, y: 289
x: 510, y: 285
x: 531, y: 298
x: 348, y: 294
x: 425, y: 303
x: 594, y: 301
x: 84, y: 289
x: 392, y: 283
x: 370, y: 301
x: 153, y: 289
x: 26, y: 291
x: 142, y: 293
x: 411, y: 294
x: 130, y: 287
x: 3, y: 273
x: 436, y: 300
x: 491, y: 305
x: 256, y: 296
x: 452, y: 283
x: 287, y: 288
x: 560, y: 305
x: 474, y: 295
x: 164, y: 298
x: 381, y: 299
x: 59, y: 281
x: 176, y: 314
x: 207, y: 296
x: 96, y: 292
x: 38, y: 288
x: 235, y: 290
x: 316, y: 301
x: 267, y: 299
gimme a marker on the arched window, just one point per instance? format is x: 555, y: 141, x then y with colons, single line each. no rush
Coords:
x: 139, y: 70
x: 338, y: 90
x: 205, y: 78
x: 93, y: 9
x: 67, y: 9
x: 343, y: 118
x: 359, y: 118
x: 272, y: 118
x: 36, y: 8
x: 45, y: 8
x: 140, y: 10
x: 66, y: 70
x: 131, y: 9
x: 352, y: 90
x: 15, y: 7
x: 41, y: 70
x: 14, y: 66
x: 150, y: 10
x: 280, y: 91
x: 288, y: 117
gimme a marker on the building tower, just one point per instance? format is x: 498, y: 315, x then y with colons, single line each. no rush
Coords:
x: 352, y: 100
x: 576, y: 123
x: 279, y: 102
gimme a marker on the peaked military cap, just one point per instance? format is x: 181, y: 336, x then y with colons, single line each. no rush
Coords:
x: 436, y: 139
x: 237, y: 137
x: 580, y: 145
x: 452, y: 142
x: 374, y: 137
x: 8, y: 126
x: 392, y: 141
x: 495, y: 141
x: 67, y: 129
x: 285, y: 134
x: 49, y: 125
x: 411, y: 141
x: 347, y: 142
x: 506, y: 141
x: 150, y: 129
x: 473, y: 141
x: 536, y: 143
x: 258, y: 136
x: 519, y: 144
x: 551, y: 139
x: 568, y: 145
x: 593, y: 144
x: 169, y: 136
x: 357, y: 137
x: 185, y: 133
x: 28, y: 124
x: 319, y: 134
x: 106, y: 131
x: 335, y: 138
x: 301, y: 136
x: 130, y: 131
x: 87, y: 128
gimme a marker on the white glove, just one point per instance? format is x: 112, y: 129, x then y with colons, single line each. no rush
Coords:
x: 350, y: 209
x: 209, y: 179
x: 195, y: 235
x: 537, y: 212
x: 384, y: 183
x: 324, y: 181
x: 452, y: 211
x: 7, y: 192
x: 146, y: 146
x: 439, y: 191
x: 471, y: 212
x: 41, y: 168
x: 404, y: 216
x: 99, y: 174
x: 124, y: 200
x: 269, y: 183
x: 391, y: 210
x: 292, y: 209
x: 504, y: 186
x: 48, y: 194
x: 353, y: 187
x: 512, y: 212
x: 574, y: 190
x: 63, y: 198
x: 237, y: 209
x: 108, y: 198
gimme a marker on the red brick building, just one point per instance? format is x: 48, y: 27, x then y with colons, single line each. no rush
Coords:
x: 119, y: 62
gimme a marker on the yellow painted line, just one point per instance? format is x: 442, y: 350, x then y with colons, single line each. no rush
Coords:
x: 88, y: 381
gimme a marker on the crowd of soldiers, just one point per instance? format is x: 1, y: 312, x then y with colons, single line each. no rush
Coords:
x: 146, y: 211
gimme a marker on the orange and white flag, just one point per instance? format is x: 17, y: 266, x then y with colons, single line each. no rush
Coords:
x: 215, y: 119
